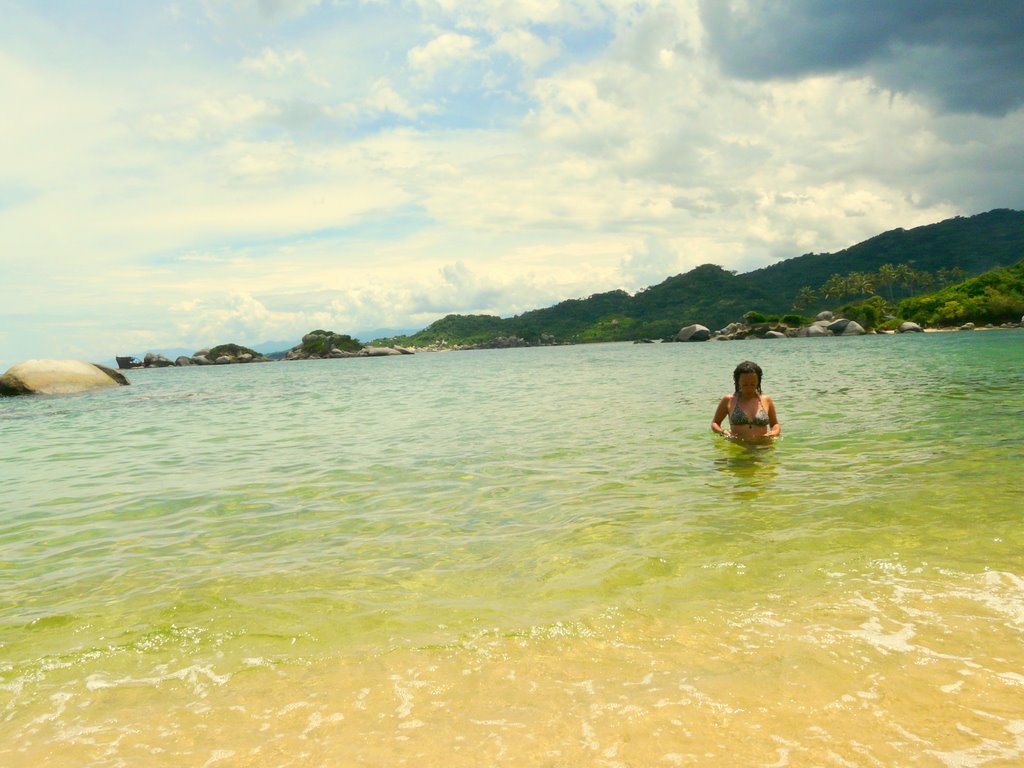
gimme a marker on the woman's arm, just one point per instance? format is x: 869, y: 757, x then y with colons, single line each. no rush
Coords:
x: 720, y: 413
x: 773, y: 420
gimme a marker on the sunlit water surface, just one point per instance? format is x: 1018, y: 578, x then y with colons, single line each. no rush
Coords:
x: 522, y: 557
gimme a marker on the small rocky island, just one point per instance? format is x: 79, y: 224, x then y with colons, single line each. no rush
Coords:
x: 315, y: 345
x: 223, y: 354
x: 327, y: 345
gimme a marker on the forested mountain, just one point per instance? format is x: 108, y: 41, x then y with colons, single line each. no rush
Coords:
x: 975, y: 244
x: 714, y: 297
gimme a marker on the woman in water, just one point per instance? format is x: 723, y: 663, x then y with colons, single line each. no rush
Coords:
x: 751, y: 415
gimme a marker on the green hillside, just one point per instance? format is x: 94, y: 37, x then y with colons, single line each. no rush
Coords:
x: 996, y: 296
x: 975, y: 244
x: 715, y: 297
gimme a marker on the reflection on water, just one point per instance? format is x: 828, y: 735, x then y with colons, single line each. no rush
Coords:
x: 753, y: 466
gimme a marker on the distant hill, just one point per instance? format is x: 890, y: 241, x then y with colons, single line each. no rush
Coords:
x: 714, y: 297
x: 975, y: 244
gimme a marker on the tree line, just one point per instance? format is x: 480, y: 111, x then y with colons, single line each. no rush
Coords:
x: 888, y: 282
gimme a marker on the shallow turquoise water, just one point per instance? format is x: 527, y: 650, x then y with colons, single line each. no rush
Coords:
x: 169, y: 540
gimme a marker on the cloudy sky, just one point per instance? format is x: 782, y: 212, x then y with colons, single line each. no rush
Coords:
x: 176, y: 174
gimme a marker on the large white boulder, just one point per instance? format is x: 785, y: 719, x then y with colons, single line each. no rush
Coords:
x: 58, y: 377
x: 693, y: 332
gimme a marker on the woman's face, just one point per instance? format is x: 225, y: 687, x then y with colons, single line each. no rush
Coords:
x: 748, y: 383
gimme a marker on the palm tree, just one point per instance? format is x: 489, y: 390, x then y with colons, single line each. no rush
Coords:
x: 835, y: 287
x: 924, y: 279
x: 804, y: 298
x: 905, y: 276
x: 861, y: 283
x: 887, y: 276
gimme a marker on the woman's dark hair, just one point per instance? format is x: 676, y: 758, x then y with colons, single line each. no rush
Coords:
x: 746, y: 367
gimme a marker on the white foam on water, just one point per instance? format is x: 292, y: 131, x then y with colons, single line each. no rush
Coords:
x: 1000, y: 592
x: 403, y: 691
x: 498, y: 723
x: 61, y: 701
x: 198, y: 676
x: 219, y: 755
x: 899, y: 641
x: 360, y: 700
x: 987, y: 751
x: 589, y: 736
x: 288, y: 708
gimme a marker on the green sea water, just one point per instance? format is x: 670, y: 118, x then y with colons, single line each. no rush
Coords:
x: 522, y: 557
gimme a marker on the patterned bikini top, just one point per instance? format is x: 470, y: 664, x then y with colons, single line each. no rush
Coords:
x: 738, y: 417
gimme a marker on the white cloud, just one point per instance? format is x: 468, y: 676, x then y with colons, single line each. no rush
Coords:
x: 549, y: 150
x: 207, y: 117
x: 650, y: 262
x: 383, y: 98
x: 446, y: 50
x: 525, y: 47
x: 273, y: 63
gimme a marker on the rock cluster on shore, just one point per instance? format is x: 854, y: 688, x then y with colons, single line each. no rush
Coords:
x: 327, y: 345
x: 320, y: 345
x: 223, y: 354
x: 498, y: 342
x: 824, y: 325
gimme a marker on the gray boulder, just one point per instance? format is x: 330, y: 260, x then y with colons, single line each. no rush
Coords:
x: 378, y: 352
x: 58, y: 377
x: 826, y: 315
x: 182, y: 362
x: 815, y: 330
x: 838, y: 326
x: 693, y: 333
x: 909, y: 327
x: 775, y: 335
x: 967, y: 327
x: 853, y: 328
x: 224, y: 360
x: 199, y: 359
x: 153, y: 360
